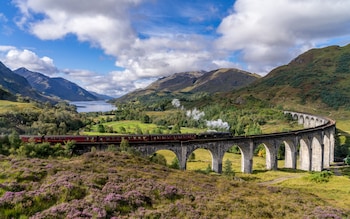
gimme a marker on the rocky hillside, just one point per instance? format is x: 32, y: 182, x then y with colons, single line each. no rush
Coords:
x: 220, y: 80
x: 56, y: 87
x: 12, y: 84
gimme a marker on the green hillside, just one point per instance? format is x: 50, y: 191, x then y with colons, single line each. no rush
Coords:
x: 318, y: 78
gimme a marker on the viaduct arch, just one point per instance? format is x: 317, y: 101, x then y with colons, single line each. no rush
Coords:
x: 314, y: 145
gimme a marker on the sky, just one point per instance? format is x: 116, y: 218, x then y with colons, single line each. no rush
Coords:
x: 116, y: 46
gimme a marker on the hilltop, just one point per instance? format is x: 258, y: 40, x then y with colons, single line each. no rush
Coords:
x: 319, y: 78
x: 188, y: 83
x: 55, y: 87
x: 12, y: 84
x: 38, y: 87
x: 316, y: 80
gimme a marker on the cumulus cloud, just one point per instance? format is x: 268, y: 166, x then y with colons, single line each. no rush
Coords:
x: 103, y: 84
x: 270, y: 33
x: 15, y: 58
x: 110, y: 25
x: 254, y: 35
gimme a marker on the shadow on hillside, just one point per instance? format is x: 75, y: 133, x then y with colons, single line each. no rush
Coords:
x: 341, y: 149
x: 342, y: 132
x: 287, y: 170
x: 253, y: 176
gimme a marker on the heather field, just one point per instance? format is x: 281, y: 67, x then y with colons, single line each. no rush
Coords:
x: 121, y: 185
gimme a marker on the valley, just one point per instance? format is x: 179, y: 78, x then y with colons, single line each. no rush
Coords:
x: 126, y: 185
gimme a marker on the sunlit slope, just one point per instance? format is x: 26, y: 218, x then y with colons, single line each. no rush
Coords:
x: 318, y: 78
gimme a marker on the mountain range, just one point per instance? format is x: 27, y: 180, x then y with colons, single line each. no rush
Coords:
x: 37, y: 86
x: 316, y: 79
x: 12, y: 84
x: 220, y: 80
x: 319, y: 78
x: 55, y: 87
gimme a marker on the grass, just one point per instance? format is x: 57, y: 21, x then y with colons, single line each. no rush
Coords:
x: 10, y: 106
x: 278, y: 126
x: 336, y: 191
x: 125, y: 186
x: 203, y: 159
x: 131, y: 126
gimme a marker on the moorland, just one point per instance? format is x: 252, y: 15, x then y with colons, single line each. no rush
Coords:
x: 49, y: 181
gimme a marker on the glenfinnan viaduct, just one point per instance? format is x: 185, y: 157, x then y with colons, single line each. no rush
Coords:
x: 314, y: 144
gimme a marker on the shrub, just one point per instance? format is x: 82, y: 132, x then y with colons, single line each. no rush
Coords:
x: 192, y: 157
x: 228, y: 171
x: 320, y: 177
x: 158, y: 158
x: 175, y: 164
x: 124, y: 145
x: 347, y: 160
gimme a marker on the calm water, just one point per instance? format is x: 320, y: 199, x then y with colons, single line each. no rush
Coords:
x: 93, y: 106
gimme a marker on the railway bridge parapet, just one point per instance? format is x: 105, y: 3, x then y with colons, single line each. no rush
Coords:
x: 309, y: 149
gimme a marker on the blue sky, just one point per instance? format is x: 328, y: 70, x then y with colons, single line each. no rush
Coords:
x: 116, y: 46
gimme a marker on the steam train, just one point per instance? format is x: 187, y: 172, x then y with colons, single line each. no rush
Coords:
x: 115, y: 139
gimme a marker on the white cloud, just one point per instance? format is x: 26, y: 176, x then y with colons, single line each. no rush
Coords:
x: 108, y: 25
x: 4, y: 48
x: 15, y: 58
x: 270, y: 33
x: 265, y: 34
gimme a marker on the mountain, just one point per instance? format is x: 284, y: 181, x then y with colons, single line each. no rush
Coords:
x: 12, y: 84
x: 101, y: 96
x: 223, y: 80
x: 318, y: 78
x: 220, y: 80
x: 56, y: 87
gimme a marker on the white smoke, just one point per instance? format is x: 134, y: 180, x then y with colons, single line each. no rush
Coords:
x: 197, y: 114
x: 176, y: 103
x: 218, y: 124
x: 194, y: 114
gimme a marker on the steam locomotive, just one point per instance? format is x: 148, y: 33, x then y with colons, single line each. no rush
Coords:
x: 115, y: 139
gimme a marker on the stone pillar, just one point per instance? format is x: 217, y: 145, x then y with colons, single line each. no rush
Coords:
x: 183, y: 157
x: 301, y: 119
x: 217, y: 165
x: 305, y: 155
x: 247, y: 157
x: 271, y: 155
x: 326, y: 149
x: 217, y: 151
x: 317, y: 154
x: 332, y: 144
x: 290, y: 157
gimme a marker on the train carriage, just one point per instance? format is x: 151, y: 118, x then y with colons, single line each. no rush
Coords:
x: 115, y: 139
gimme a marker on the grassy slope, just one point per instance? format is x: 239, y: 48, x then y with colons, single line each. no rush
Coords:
x: 109, y: 184
x: 9, y: 106
x: 131, y: 126
x: 316, y: 81
x: 335, y: 191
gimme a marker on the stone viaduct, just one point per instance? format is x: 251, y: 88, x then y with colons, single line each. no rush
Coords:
x: 310, y: 149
